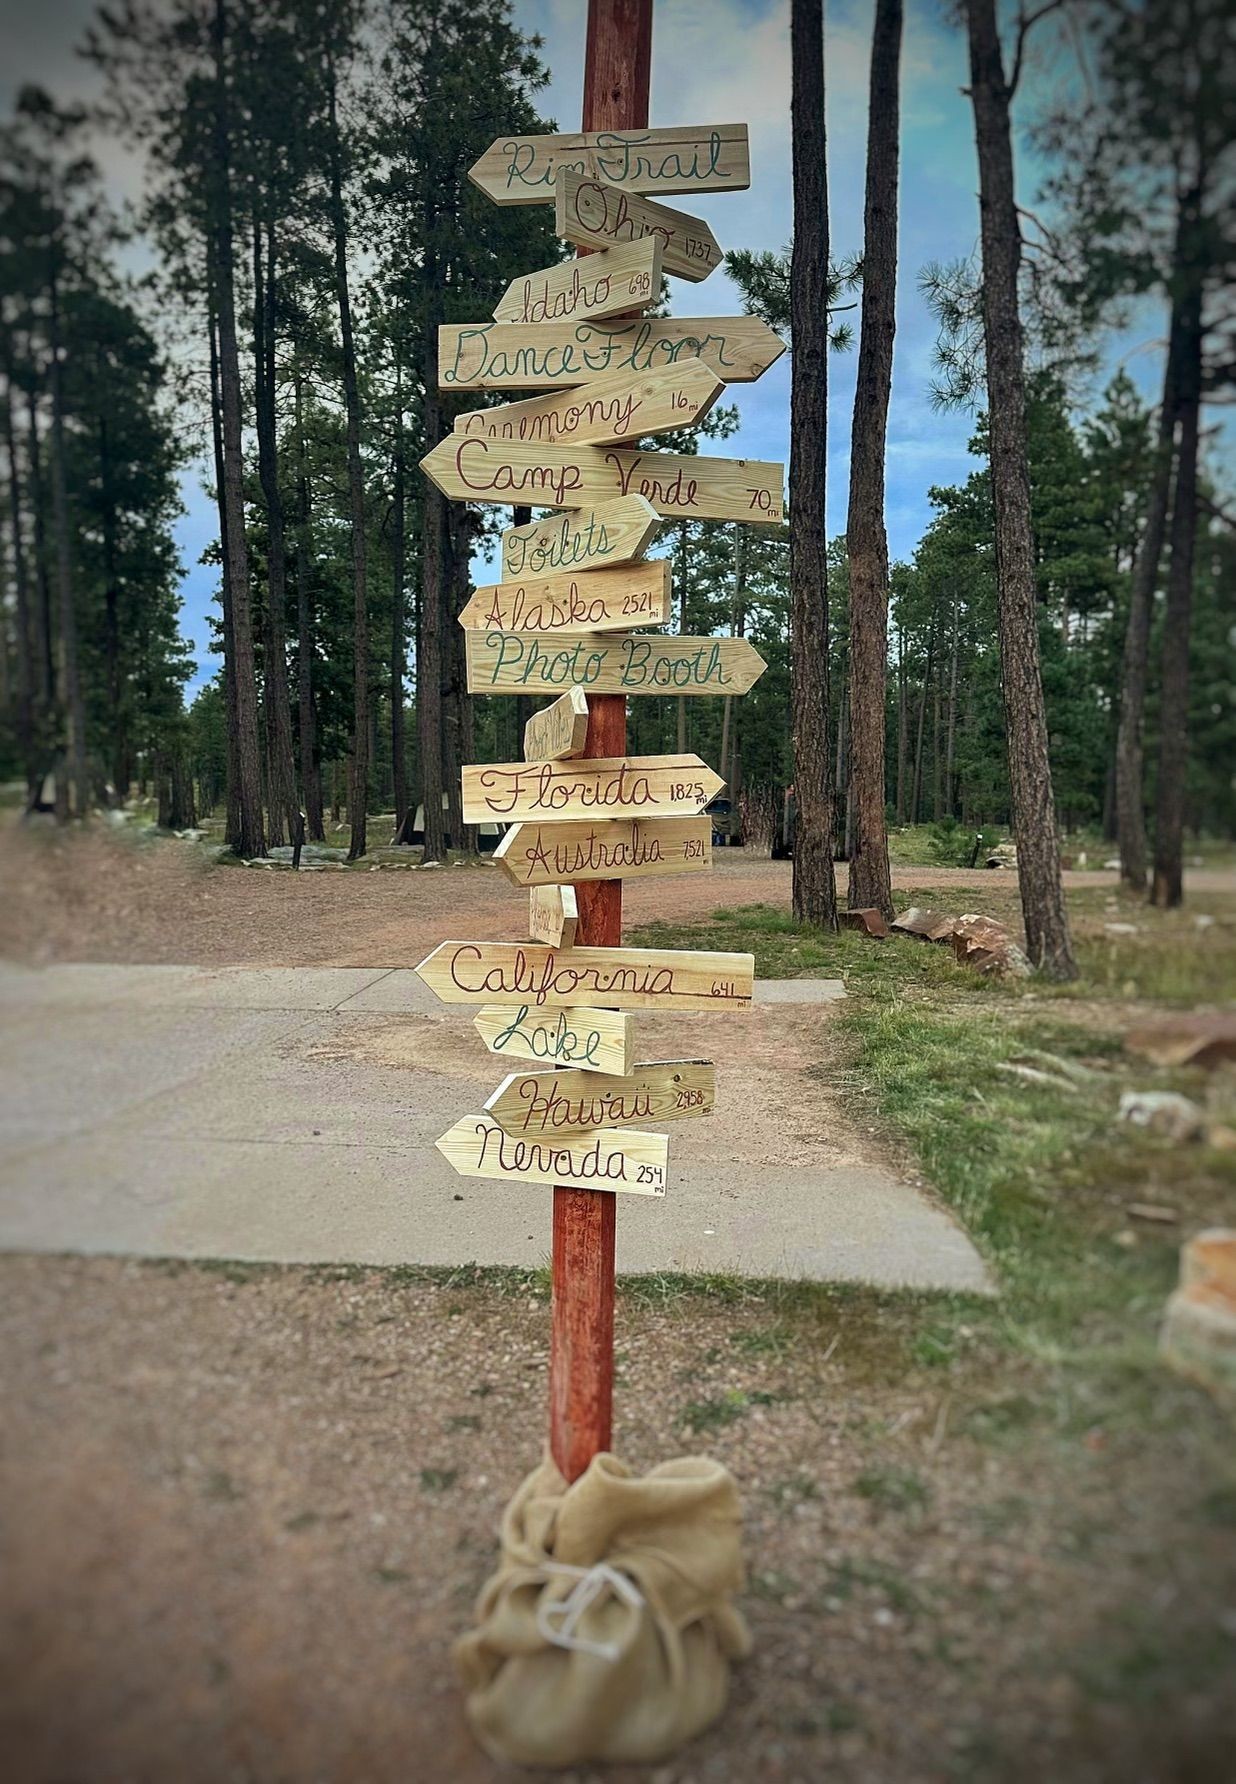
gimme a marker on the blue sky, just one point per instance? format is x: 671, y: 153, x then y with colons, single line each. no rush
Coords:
x: 728, y: 61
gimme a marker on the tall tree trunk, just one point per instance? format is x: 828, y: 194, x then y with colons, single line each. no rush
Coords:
x: 280, y: 763
x: 950, y: 750
x: 866, y: 537
x: 903, y: 731
x: 358, y: 783
x: 458, y: 744
x: 43, y: 624
x: 916, y: 792
x: 71, y: 687
x: 310, y: 767
x: 1025, y: 717
x: 399, y: 641
x: 117, y: 692
x: 250, y: 838
x: 1135, y: 663
x: 27, y: 674
x: 1167, y: 880
x: 683, y: 579
x: 231, y: 792
x: 814, y: 887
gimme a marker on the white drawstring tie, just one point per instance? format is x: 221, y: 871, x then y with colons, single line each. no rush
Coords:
x: 557, y: 1619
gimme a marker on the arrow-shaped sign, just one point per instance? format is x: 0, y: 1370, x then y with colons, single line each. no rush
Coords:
x: 537, y: 854
x: 546, y: 356
x: 593, y: 213
x: 553, y: 916
x: 590, y: 1040
x: 559, y: 731
x: 685, y: 158
x: 605, y: 1159
x: 612, y: 283
x: 615, y: 978
x: 678, y: 487
x: 598, y: 601
x: 624, y: 406
x: 589, y: 539
x: 535, y: 1103
x: 525, y: 663
x: 606, y: 786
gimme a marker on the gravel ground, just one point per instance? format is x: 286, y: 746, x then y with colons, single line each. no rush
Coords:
x: 243, y: 1512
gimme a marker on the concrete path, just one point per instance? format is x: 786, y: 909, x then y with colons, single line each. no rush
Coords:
x: 289, y: 1114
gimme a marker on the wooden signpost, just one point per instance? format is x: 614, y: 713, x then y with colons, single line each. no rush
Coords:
x: 598, y: 601
x: 590, y: 212
x: 613, y: 978
x: 627, y: 786
x: 553, y: 915
x: 575, y: 1102
x: 623, y: 406
x: 614, y: 283
x: 536, y: 854
x: 558, y: 732
x: 524, y: 663
x: 547, y: 355
x: 695, y: 158
x: 589, y: 1040
x: 469, y: 468
x: 602, y: 1159
x: 617, y: 532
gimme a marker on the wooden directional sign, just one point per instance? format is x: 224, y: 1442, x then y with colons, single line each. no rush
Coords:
x: 601, y: 538
x: 537, y: 854
x: 598, y: 601
x: 566, y: 1103
x: 694, y: 158
x: 553, y: 916
x: 523, y: 663
x: 607, y: 786
x: 621, y: 406
x: 617, y: 978
x: 590, y: 1040
x: 592, y: 213
x: 469, y: 469
x: 559, y: 731
x: 548, y: 355
x: 611, y: 283
x: 604, y: 1159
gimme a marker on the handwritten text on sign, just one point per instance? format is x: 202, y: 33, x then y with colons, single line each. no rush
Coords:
x: 594, y: 538
x: 597, y: 601
x: 478, y: 1147
x: 626, y: 407
x: 607, y: 786
x: 620, y: 978
x: 678, y: 486
x: 592, y: 1040
x: 685, y: 158
x: 593, y: 213
x: 606, y: 284
x: 559, y: 731
x: 535, y: 854
x: 521, y: 662
x: 557, y: 1102
x: 508, y: 356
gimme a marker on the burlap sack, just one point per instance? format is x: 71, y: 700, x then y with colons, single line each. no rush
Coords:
x: 608, y: 1629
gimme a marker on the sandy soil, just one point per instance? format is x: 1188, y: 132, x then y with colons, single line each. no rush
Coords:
x: 244, y: 1512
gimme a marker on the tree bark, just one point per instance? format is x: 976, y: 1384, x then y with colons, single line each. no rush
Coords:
x: 250, y: 840
x: 429, y: 655
x: 231, y: 791
x: 27, y: 675
x: 73, y: 705
x: 866, y: 538
x: 1034, y: 824
x: 280, y: 762
x: 399, y: 620
x: 814, y: 887
x: 306, y: 717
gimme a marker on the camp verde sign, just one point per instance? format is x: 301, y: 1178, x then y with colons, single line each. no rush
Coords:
x: 598, y: 601
x: 619, y: 978
x: 515, y: 662
x: 605, y: 284
x: 509, y: 356
x: 690, y: 158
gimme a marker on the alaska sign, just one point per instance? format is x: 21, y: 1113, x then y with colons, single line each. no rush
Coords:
x: 522, y: 662
x: 691, y: 158
x: 597, y: 601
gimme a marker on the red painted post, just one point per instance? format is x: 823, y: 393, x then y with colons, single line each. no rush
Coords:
x: 617, y: 67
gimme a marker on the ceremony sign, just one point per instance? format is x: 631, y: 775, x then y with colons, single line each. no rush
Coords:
x: 607, y: 284
x: 536, y: 854
x: 522, y: 663
x: 616, y: 533
x: 694, y: 158
x: 592, y: 213
x: 576, y: 1102
x: 618, y: 786
x: 679, y: 487
x: 545, y: 356
x: 478, y: 1147
x: 553, y: 915
x: 590, y: 1040
x: 557, y: 732
x: 622, y: 406
x: 619, y: 978
x: 595, y: 601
